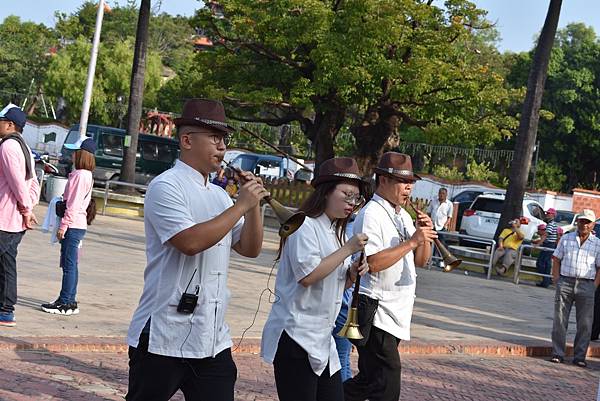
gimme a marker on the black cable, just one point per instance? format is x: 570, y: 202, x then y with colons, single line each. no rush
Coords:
x: 275, y: 300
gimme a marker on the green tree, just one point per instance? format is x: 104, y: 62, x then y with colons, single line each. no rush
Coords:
x: 375, y: 66
x: 570, y: 140
x: 67, y: 73
x: 24, y: 56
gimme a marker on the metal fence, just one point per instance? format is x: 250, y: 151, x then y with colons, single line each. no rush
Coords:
x: 471, y: 238
x: 519, y: 261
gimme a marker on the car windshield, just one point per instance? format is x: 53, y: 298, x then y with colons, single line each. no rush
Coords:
x: 488, y: 205
x: 564, y: 217
x: 245, y: 162
x: 73, y: 136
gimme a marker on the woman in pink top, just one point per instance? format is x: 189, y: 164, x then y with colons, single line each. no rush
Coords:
x: 73, y: 225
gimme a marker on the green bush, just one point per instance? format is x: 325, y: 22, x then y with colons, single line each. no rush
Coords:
x: 447, y: 173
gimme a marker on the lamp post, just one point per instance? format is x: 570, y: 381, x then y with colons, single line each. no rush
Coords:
x: 87, y: 96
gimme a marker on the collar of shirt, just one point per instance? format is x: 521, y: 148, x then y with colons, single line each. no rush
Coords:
x: 591, y: 239
x: 326, y: 222
x: 194, y: 174
x: 389, y: 207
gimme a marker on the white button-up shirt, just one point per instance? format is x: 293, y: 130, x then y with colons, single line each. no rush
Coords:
x: 307, y: 314
x: 175, y: 201
x: 440, y: 212
x: 576, y: 260
x: 394, y: 287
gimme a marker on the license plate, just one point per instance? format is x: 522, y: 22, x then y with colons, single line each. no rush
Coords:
x: 491, y: 221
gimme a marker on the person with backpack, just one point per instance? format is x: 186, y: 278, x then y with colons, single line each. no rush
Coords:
x: 77, y: 210
x: 19, y: 193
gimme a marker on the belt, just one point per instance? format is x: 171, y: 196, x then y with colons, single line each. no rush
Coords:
x: 577, y: 278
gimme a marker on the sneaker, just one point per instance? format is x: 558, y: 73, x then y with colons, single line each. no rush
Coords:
x: 59, y: 308
x: 7, y: 319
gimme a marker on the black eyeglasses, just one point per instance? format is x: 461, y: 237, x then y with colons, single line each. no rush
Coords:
x: 215, y: 139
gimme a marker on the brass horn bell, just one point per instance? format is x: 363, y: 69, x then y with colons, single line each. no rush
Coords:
x: 350, y: 329
x: 288, y: 220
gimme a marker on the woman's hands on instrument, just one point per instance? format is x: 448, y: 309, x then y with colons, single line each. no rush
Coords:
x: 359, y: 266
x: 356, y: 243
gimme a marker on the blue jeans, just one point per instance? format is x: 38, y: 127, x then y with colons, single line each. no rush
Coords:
x: 69, y: 255
x: 344, y: 346
x: 544, y: 266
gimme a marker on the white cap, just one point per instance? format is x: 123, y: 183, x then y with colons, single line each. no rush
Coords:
x: 587, y: 214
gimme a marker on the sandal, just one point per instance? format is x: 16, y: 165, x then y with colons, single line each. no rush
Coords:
x: 557, y: 359
x: 581, y: 364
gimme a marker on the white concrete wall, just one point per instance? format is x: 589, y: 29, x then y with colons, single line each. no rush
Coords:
x: 34, y: 136
x: 428, y: 188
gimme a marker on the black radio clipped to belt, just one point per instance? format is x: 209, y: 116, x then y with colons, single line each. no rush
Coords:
x: 188, y: 300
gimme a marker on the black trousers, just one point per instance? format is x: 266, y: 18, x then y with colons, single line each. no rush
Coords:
x: 156, y: 378
x: 596, y: 324
x: 9, y: 242
x: 379, y: 370
x: 296, y: 380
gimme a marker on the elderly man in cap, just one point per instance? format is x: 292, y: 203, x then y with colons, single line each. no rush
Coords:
x: 178, y: 336
x: 19, y: 192
x: 387, y: 292
x: 576, y: 272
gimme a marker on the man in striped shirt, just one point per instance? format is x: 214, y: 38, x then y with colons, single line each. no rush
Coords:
x: 544, y: 261
x: 576, y: 272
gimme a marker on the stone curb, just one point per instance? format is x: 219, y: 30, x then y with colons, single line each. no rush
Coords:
x: 252, y: 346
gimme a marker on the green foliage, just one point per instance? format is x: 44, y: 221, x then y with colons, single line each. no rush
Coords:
x: 480, y: 172
x: 24, y: 55
x: 66, y: 77
x: 570, y: 138
x: 549, y: 176
x: 376, y: 63
x: 448, y: 173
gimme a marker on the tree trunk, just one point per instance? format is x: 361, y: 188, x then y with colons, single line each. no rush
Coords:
x: 136, y: 93
x: 373, y: 136
x: 528, y: 125
x: 322, y: 133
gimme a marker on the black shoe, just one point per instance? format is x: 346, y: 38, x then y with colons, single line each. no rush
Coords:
x: 60, y: 308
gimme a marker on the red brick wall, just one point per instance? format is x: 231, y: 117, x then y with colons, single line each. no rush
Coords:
x: 586, y: 199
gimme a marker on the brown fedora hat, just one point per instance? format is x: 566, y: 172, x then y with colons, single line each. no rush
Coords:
x: 396, y: 165
x: 337, y: 169
x: 204, y: 113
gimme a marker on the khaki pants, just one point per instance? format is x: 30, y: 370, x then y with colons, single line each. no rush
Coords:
x: 508, y: 256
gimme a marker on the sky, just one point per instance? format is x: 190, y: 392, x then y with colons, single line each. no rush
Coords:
x: 517, y: 20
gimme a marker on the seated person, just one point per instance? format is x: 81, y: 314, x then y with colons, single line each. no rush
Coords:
x: 509, y: 241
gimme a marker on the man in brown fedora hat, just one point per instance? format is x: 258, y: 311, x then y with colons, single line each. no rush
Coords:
x: 178, y: 337
x: 387, y: 292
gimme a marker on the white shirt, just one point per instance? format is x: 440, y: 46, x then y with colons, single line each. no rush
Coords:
x: 307, y: 314
x: 440, y: 212
x: 176, y: 200
x: 394, y: 287
x: 576, y: 260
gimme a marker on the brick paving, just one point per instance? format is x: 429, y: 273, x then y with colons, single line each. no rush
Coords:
x: 99, y: 376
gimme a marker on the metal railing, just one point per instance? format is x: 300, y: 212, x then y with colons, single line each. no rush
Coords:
x: 519, y: 261
x: 471, y: 238
x: 107, y: 185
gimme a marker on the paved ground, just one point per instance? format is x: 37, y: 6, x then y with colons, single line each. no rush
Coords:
x: 103, y: 376
x: 453, y: 313
x: 449, y: 307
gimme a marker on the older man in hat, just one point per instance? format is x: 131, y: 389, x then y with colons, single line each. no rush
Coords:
x: 576, y: 272
x: 387, y: 292
x: 19, y: 192
x: 178, y: 337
